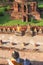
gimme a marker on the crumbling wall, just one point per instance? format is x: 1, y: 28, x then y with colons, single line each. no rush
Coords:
x: 24, y: 9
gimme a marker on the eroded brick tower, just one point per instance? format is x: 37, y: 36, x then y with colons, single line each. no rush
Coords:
x: 24, y: 10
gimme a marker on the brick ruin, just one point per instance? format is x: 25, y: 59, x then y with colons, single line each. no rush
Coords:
x: 24, y: 10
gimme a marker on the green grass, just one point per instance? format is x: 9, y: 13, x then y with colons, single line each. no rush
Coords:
x: 6, y: 21
x: 2, y: 9
x: 40, y: 4
x: 37, y: 23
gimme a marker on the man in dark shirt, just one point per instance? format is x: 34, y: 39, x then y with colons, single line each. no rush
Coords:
x: 15, y: 55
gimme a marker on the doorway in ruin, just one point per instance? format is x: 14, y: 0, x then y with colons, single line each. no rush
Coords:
x: 24, y: 18
x: 29, y: 8
x: 19, y: 8
x: 29, y: 18
x: 24, y: 8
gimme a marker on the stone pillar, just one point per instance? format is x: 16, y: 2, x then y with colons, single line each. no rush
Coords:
x: 36, y: 6
x: 22, y: 8
x: 26, y: 13
x: 22, y: 11
x: 26, y: 18
x: 26, y: 9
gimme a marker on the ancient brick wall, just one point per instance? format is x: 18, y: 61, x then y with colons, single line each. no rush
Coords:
x: 23, y: 10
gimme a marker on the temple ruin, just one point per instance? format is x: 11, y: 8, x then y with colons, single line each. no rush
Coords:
x: 25, y: 10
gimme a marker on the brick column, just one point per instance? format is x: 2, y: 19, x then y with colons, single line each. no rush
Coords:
x: 35, y: 6
x: 22, y: 11
x: 26, y: 18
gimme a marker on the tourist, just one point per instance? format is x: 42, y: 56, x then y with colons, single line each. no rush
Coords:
x: 16, y: 60
x: 16, y: 56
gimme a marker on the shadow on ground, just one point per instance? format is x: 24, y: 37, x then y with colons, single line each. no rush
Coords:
x: 37, y: 62
x: 32, y: 63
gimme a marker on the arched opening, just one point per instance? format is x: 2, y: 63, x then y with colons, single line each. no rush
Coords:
x: 19, y: 7
x: 29, y: 8
x: 24, y: 18
x: 24, y: 8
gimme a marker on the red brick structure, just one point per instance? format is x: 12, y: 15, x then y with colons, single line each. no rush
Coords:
x: 24, y: 10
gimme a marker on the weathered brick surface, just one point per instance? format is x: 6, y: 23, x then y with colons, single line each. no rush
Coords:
x: 27, y: 29
x: 25, y: 8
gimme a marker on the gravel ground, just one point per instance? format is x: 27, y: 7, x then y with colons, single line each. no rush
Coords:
x: 33, y: 56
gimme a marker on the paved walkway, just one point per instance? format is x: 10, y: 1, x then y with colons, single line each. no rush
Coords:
x: 19, y: 40
x: 33, y: 56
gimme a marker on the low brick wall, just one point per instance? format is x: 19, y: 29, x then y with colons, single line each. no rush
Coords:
x: 7, y: 29
x: 12, y: 29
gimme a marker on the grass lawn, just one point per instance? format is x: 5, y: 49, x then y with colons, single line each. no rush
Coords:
x: 6, y: 21
x: 40, y: 4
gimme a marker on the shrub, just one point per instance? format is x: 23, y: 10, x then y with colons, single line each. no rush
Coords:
x: 1, y: 11
x: 6, y: 8
x: 1, y: 14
